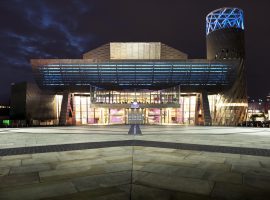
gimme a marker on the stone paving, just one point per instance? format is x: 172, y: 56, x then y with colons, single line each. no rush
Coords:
x: 224, y: 136
x: 128, y: 172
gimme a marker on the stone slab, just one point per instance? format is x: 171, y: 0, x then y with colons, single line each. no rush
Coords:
x: 103, y: 180
x: 181, y: 184
x: 30, y: 168
x: 18, y: 179
x: 226, y: 191
x: 38, y: 191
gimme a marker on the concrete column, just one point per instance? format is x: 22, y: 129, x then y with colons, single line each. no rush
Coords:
x: 64, y: 109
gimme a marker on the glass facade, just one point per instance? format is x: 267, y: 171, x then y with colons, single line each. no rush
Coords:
x: 187, y: 111
x: 111, y: 107
x: 155, y: 107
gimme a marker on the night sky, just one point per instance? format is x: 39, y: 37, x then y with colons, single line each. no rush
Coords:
x: 67, y: 29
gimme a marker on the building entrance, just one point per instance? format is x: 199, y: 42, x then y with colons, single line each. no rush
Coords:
x: 93, y: 111
x: 135, y: 116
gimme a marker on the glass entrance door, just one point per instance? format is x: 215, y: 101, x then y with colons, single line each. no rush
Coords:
x: 135, y: 116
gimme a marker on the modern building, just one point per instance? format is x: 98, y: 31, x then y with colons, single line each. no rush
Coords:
x: 142, y: 82
x: 259, y: 109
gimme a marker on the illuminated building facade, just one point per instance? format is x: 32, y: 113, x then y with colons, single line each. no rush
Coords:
x: 143, y: 82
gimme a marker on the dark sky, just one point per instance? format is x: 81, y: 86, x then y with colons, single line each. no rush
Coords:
x: 68, y: 28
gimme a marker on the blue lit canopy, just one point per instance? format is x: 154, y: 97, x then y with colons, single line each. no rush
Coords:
x: 193, y: 75
x: 224, y: 18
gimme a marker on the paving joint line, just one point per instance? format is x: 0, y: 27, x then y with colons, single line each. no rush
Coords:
x: 143, y: 143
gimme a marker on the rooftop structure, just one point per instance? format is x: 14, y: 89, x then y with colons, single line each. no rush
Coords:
x: 224, y: 18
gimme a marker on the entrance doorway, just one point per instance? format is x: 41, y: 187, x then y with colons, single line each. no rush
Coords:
x: 135, y: 116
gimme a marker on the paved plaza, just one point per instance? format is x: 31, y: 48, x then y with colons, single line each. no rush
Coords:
x: 165, y: 162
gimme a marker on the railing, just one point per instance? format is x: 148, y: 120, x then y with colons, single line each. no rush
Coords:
x: 141, y: 105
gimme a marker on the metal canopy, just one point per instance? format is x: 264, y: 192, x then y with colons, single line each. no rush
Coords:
x: 192, y: 75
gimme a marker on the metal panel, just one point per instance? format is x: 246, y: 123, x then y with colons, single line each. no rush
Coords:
x: 191, y: 74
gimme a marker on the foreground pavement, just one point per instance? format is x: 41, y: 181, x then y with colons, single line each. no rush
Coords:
x: 165, y: 162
